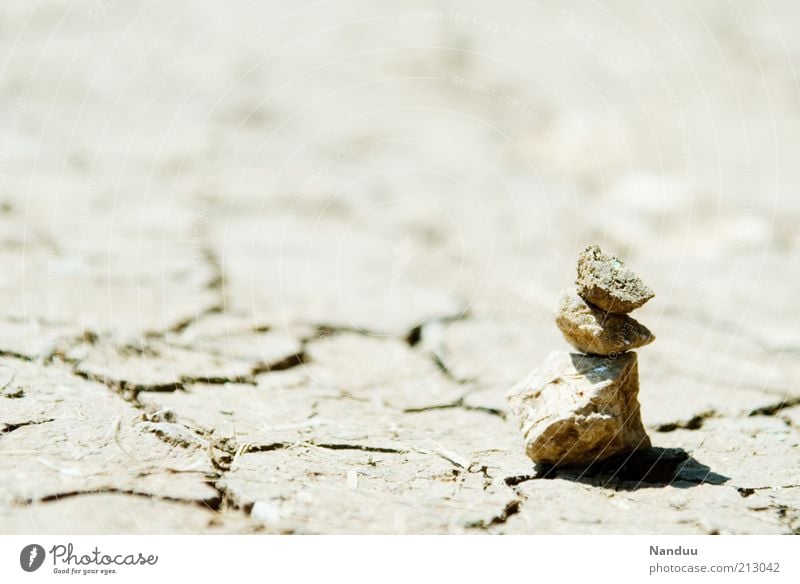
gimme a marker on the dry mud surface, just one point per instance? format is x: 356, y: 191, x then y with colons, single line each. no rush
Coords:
x: 271, y: 267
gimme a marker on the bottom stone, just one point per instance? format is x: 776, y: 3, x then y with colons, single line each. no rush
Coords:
x: 578, y: 409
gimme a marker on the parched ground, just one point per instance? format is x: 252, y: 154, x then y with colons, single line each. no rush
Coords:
x: 271, y: 267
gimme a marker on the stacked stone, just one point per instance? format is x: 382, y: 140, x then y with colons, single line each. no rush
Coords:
x: 578, y: 408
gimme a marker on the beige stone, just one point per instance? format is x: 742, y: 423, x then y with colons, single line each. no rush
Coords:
x: 591, y: 330
x: 576, y: 409
x: 605, y: 281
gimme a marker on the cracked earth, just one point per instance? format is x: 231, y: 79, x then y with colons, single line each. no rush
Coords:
x: 273, y: 269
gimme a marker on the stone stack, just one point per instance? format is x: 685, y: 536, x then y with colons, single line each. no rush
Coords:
x: 578, y: 408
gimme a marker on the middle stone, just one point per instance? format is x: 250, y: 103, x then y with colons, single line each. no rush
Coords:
x: 592, y: 330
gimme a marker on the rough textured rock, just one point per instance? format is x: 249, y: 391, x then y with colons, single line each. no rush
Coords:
x: 591, y: 330
x: 577, y: 409
x: 605, y: 281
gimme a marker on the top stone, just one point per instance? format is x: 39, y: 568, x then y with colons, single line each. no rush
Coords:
x: 605, y: 281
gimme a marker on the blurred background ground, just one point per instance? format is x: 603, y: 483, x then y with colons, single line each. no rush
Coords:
x: 271, y: 267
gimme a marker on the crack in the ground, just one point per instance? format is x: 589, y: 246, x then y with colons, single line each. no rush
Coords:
x: 127, y: 390
x: 444, y: 369
x: 8, y: 428
x: 783, y: 517
x: 515, y: 480
x: 251, y: 378
x: 781, y: 511
x: 458, y: 404
x: 773, y: 409
x: 217, y: 281
x: 15, y: 355
x: 362, y: 447
x: 417, y: 333
x: 514, y: 504
x: 63, y: 346
x: 130, y: 390
x: 294, y: 360
x: 185, y: 323
x: 414, y: 336
x: 421, y: 334
x: 476, y: 468
x: 248, y: 448
x: 212, y: 503
x: 748, y: 491
x: 324, y: 331
x: 694, y: 423
x: 226, y: 500
x: 511, y: 508
x: 175, y: 434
